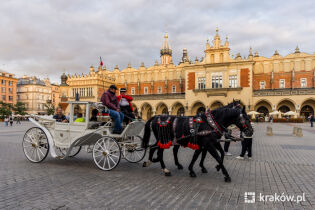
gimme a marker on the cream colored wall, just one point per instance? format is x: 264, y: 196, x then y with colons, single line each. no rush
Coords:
x: 32, y: 95
x: 278, y: 63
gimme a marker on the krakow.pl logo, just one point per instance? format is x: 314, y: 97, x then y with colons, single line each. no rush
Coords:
x: 249, y: 197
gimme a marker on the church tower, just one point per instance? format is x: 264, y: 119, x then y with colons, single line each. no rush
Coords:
x: 166, y: 52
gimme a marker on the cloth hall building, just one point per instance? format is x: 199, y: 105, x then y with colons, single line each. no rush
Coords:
x: 285, y: 83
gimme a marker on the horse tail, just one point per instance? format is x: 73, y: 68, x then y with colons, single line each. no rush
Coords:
x: 147, y: 133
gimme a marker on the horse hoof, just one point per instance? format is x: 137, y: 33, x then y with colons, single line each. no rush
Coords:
x: 218, y: 167
x: 144, y: 164
x: 227, y: 179
x: 168, y: 174
x: 204, y: 170
x: 180, y: 167
x: 192, y: 174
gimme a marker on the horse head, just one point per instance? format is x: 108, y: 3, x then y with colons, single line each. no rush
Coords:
x: 243, y: 122
x: 234, y: 113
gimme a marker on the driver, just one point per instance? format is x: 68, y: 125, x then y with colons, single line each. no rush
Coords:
x: 109, y: 99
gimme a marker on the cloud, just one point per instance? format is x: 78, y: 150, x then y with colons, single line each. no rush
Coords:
x: 45, y: 38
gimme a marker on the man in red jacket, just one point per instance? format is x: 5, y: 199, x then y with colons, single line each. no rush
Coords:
x: 109, y: 99
x: 125, y: 105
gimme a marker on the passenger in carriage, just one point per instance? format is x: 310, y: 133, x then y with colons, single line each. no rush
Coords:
x: 125, y: 105
x: 94, y: 115
x: 79, y: 118
x: 59, y: 116
x: 109, y: 99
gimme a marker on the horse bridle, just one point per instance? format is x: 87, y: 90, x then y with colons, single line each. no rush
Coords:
x: 221, y: 130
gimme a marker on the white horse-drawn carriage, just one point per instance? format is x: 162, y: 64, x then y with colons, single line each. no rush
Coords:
x: 65, y: 140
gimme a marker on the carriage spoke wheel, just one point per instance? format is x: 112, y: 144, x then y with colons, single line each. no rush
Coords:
x: 35, y: 145
x: 133, y: 152
x: 74, y: 151
x: 106, y: 153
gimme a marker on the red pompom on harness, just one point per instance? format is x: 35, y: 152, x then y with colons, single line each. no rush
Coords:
x: 193, y: 146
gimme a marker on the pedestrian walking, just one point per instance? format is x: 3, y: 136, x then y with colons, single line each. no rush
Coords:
x: 246, y: 146
x: 312, y: 120
x: 11, y: 120
x: 6, y: 121
x: 18, y: 120
x: 271, y: 119
x: 231, y: 132
x: 226, y: 148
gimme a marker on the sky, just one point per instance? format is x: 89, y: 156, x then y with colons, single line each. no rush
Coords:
x: 46, y: 38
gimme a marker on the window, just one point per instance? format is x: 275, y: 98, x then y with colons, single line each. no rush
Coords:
x: 173, y: 89
x: 217, y: 81
x: 303, y: 83
x: 262, y: 85
x: 10, y: 98
x: 3, y: 82
x: 3, y: 98
x: 3, y: 89
x: 282, y: 83
x: 232, y: 81
x: 10, y: 90
x: 201, y: 83
x: 38, y: 106
x: 146, y: 90
x: 133, y: 91
x: 159, y: 90
x: 10, y: 83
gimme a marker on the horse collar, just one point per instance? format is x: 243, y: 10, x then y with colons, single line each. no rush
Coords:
x: 211, y: 121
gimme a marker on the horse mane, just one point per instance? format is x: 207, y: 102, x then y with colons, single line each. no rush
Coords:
x: 228, y: 109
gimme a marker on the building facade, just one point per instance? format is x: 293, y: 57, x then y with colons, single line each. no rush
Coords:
x: 36, y: 93
x: 8, y: 87
x: 284, y: 83
x: 88, y: 87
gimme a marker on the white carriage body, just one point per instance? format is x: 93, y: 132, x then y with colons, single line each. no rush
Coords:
x: 76, y: 134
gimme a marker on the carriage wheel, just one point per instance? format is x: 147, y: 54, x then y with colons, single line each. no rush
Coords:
x: 133, y: 152
x: 74, y: 151
x: 35, y: 145
x: 106, y: 153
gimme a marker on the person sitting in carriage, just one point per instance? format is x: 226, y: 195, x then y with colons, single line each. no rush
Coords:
x: 125, y: 105
x: 109, y: 99
x: 59, y: 116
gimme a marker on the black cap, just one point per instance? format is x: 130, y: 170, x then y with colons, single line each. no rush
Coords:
x: 113, y: 87
x: 123, y: 90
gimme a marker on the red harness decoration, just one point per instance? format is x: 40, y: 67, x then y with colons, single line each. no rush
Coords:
x: 162, y: 142
x: 213, y: 123
x: 194, y: 125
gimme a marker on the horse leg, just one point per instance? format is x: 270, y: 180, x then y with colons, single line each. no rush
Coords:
x: 175, y: 152
x: 212, y: 150
x: 191, y: 165
x: 160, y: 157
x: 151, y: 153
x: 220, y: 149
x: 203, y: 157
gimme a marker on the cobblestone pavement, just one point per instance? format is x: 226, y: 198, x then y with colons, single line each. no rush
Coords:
x: 281, y: 164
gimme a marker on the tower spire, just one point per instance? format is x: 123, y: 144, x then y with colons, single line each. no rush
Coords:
x: 166, y: 51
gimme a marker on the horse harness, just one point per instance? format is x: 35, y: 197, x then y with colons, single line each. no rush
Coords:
x: 164, y: 137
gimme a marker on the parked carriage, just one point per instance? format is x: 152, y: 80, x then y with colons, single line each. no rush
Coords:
x: 64, y: 140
